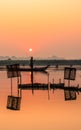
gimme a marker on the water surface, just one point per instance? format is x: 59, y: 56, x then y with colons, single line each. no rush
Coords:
x: 37, y: 112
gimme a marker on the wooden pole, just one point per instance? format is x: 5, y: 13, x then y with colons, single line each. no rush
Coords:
x: 17, y: 86
x: 53, y: 83
x: 69, y: 83
x: 11, y: 86
x: 48, y: 88
x: 20, y: 89
x: 31, y: 65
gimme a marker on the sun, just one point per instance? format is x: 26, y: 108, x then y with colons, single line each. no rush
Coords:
x: 30, y: 49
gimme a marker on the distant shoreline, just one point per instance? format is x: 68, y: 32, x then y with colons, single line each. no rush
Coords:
x: 41, y: 62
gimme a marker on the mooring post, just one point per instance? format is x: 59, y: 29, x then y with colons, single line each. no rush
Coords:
x: 48, y: 88
x: 20, y: 84
x: 69, y: 83
x: 31, y: 65
x: 59, y: 81
x: 53, y: 83
x: 11, y: 86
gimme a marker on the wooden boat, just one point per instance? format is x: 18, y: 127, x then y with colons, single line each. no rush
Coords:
x: 36, y: 69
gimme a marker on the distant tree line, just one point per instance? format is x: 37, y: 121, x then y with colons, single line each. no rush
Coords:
x: 41, y: 62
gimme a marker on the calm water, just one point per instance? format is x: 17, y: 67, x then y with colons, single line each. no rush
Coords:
x: 37, y: 112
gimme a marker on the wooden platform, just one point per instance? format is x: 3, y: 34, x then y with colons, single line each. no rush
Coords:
x: 40, y: 86
x: 43, y: 86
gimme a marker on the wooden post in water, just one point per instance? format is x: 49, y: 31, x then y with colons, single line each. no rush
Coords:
x: 17, y: 86
x: 48, y: 88
x: 69, y: 83
x: 59, y: 81
x: 20, y: 89
x: 31, y: 65
x: 11, y: 86
x: 53, y: 83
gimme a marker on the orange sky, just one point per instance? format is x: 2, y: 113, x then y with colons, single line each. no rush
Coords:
x: 49, y: 27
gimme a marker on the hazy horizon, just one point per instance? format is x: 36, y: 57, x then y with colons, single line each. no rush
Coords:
x: 48, y: 27
x: 28, y: 57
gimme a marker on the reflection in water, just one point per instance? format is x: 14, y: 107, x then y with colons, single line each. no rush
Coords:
x: 37, y: 112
